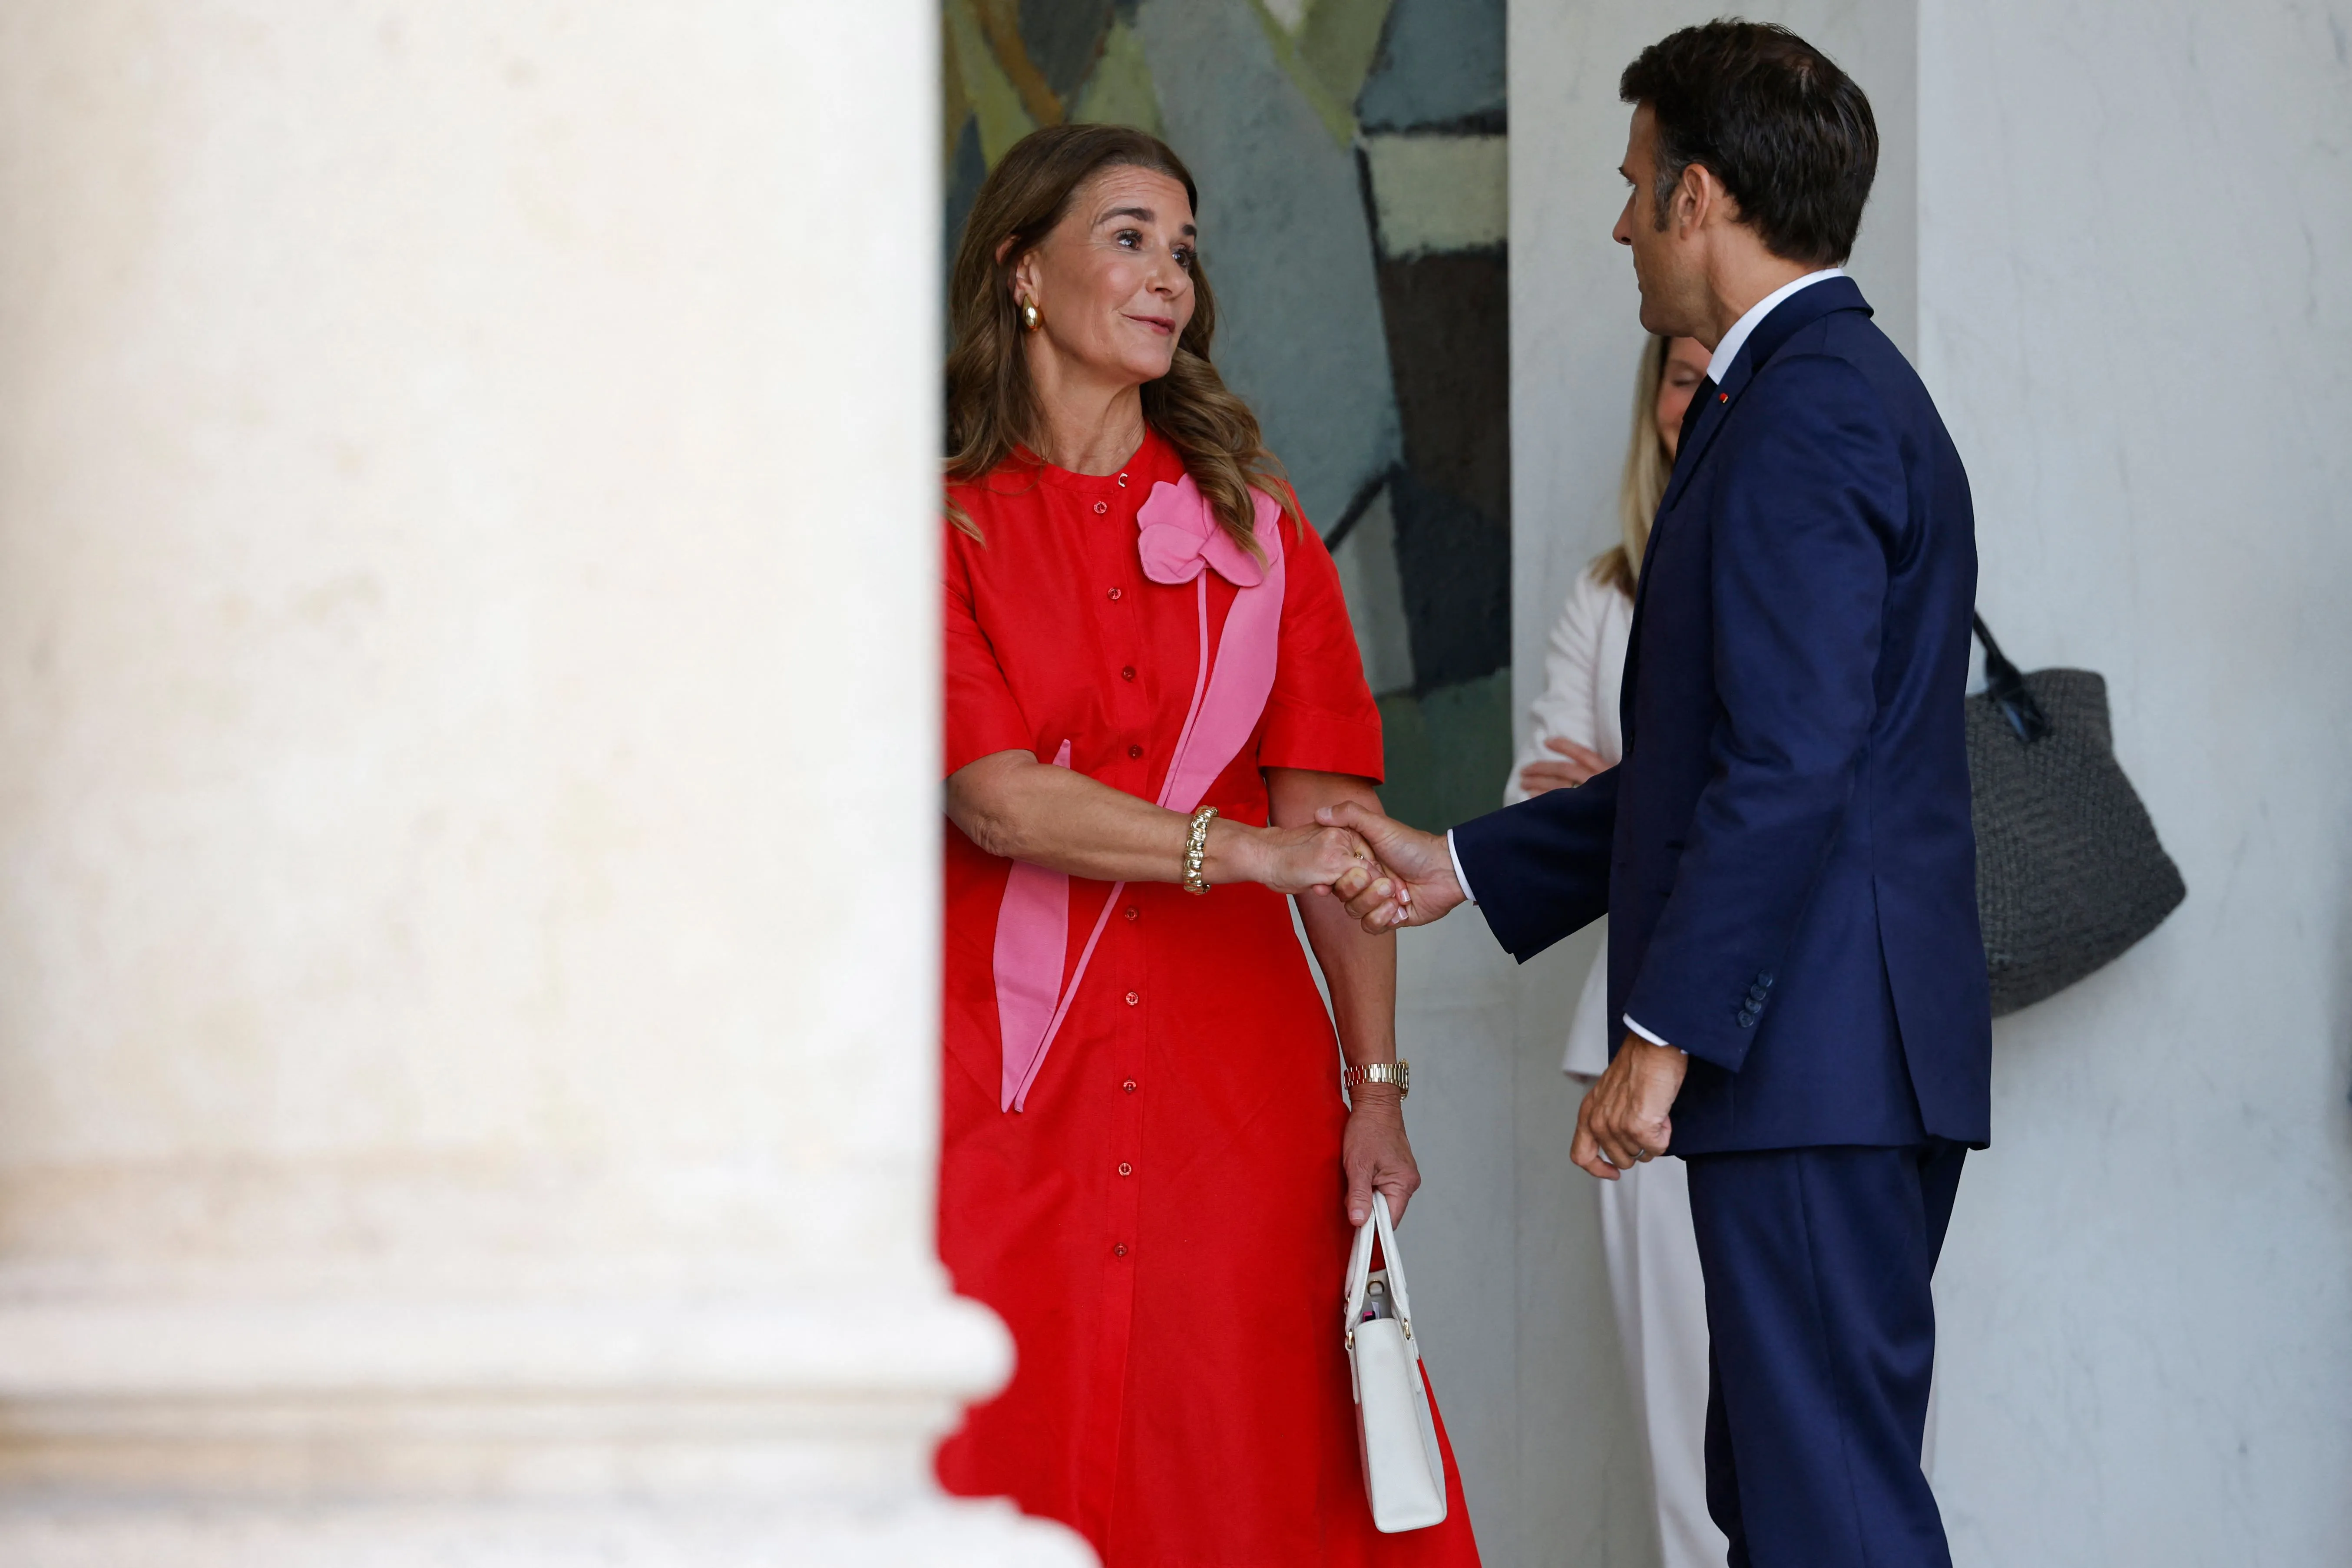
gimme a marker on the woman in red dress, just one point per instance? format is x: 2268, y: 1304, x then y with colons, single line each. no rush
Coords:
x: 1148, y: 1169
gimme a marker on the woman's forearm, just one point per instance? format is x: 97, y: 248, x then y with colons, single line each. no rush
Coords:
x: 1359, y: 968
x: 1011, y: 805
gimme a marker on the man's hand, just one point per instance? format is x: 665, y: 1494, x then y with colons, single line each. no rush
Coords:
x: 1625, y: 1116
x: 1412, y: 885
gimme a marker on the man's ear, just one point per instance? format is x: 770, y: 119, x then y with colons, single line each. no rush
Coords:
x: 1695, y: 196
x: 1704, y: 198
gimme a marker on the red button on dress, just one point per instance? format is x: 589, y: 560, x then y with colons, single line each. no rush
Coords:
x: 1180, y: 1392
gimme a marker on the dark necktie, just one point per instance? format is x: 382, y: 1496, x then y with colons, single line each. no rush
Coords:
x: 1697, y: 405
x: 1699, y: 400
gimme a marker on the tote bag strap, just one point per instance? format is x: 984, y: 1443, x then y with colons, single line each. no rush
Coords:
x: 1395, y: 1261
x: 2006, y: 686
x: 1382, y: 1228
x: 1359, y: 1276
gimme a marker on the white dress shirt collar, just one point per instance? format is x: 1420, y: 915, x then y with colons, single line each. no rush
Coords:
x: 1735, y: 340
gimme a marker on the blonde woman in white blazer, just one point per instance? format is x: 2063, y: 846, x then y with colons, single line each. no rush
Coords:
x: 1645, y: 1222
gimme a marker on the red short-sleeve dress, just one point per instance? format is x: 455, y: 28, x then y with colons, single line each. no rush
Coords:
x: 1160, y: 1222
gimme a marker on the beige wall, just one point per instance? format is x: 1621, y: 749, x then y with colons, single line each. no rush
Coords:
x: 467, y: 819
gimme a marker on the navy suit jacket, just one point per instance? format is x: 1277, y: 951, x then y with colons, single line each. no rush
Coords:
x: 1784, y: 854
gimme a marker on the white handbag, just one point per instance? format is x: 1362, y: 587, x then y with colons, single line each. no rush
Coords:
x: 1404, y: 1470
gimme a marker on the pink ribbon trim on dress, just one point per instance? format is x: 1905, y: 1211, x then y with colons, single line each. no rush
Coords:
x: 1177, y: 536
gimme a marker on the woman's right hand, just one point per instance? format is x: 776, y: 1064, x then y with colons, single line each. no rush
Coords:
x: 1579, y: 765
x: 1309, y: 858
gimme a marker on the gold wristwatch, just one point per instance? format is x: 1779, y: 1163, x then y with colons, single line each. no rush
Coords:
x: 1397, y: 1073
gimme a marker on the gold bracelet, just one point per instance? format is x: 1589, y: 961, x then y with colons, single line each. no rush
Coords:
x: 1196, y: 844
x: 1397, y: 1073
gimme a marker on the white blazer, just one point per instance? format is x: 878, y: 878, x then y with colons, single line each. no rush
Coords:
x: 1584, y: 666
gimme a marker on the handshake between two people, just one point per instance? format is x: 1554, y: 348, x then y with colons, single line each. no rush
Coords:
x: 1626, y: 1116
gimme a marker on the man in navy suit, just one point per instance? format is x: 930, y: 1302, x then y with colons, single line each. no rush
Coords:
x: 1784, y: 855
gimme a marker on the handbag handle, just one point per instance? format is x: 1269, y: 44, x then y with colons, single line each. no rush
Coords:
x: 1359, y: 1272
x: 2006, y: 686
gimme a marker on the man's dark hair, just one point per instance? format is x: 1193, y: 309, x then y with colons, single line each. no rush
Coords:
x: 1790, y: 135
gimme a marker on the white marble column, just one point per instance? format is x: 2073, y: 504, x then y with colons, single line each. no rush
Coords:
x: 468, y: 820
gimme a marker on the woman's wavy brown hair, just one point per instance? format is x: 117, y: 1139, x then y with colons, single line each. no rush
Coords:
x: 992, y: 404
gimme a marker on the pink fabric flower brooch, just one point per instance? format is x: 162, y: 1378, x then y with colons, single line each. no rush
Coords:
x: 1179, y: 534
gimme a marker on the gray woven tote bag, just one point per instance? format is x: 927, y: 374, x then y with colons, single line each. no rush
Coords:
x: 2069, y: 871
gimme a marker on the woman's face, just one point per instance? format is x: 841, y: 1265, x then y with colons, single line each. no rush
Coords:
x: 1114, y: 278
x: 1686, y: 368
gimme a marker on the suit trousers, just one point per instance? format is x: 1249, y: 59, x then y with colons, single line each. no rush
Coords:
x: 1817, y: 1264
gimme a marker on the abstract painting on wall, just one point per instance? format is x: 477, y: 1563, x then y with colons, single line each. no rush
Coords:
x: 1351, y: 155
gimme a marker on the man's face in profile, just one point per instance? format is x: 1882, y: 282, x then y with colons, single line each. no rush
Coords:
x: 1656, y: 254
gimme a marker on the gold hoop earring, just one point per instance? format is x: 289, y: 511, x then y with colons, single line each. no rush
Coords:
x: 1031, y: 319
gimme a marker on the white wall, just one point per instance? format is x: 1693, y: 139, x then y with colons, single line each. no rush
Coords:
x: 2135, y: 286
x: 2129, y: 252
